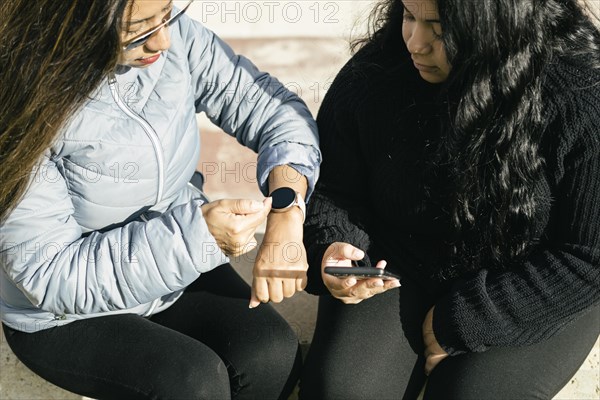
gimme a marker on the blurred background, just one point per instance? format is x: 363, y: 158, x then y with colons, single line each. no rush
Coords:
x: 302, y: 43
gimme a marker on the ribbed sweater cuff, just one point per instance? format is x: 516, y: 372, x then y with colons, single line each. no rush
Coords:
x: 446, y: 330
x: 465, y: 321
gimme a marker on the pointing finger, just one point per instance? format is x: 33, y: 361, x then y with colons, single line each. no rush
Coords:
x: 244, y: 206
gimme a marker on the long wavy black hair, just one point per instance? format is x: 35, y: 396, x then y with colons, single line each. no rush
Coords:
x: 498, y: 50
x: 53, y: 54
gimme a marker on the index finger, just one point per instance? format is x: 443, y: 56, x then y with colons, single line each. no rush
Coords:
x: 242, y: 206
x: 250, y: 221
x: 259, y: 292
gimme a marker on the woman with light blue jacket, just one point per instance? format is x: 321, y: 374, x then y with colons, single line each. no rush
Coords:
x: 109, y: 250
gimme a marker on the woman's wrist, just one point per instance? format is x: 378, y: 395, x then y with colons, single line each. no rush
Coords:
x: 293, y: 216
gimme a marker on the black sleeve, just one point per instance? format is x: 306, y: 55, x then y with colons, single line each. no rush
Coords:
x: 338, y: 209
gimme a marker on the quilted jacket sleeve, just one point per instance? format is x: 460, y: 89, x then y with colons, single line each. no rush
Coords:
x: 251, y: 105
x: 63, y: 271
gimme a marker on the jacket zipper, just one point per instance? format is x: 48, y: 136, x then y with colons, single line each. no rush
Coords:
x: 112, y: 82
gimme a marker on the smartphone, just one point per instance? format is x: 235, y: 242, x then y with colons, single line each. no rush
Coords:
x: 360, y: 272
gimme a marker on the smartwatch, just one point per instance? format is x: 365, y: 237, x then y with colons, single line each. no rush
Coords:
x: 285, y: 198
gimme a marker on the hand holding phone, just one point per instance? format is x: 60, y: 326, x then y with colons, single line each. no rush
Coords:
x: 348, y: 279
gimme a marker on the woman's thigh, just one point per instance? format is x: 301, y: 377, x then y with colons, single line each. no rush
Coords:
x: 358, y: 351
x: 539, y: 371
x: 122, y: 357
x: 258, y: 346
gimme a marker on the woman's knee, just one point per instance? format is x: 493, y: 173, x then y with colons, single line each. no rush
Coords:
x: 264, y: 364
x: 270, y: 340
x: 199, y: 374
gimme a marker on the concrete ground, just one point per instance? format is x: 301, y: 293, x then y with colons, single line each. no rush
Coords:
x: 306, y: 66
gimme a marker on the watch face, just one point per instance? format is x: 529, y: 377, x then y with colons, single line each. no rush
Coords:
x: 283, y: 198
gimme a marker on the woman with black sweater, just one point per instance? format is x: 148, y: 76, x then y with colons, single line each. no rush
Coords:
x: 461, y: 149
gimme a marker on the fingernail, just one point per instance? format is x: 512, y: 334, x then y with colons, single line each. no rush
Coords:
x: 378, y: 284
x: 351, y: 282
x: 358, y: 254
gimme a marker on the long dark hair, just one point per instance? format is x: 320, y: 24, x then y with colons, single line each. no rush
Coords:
x: 53, y: 54
x: 498, y: 50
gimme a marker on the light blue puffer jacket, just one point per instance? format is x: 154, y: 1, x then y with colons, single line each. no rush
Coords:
x: 110, y: 223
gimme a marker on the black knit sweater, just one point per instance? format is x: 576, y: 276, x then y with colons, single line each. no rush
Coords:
x: 379, y: 124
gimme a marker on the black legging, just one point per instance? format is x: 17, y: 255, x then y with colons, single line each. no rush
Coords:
x: 362, y: 352
x: 208, y: 345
